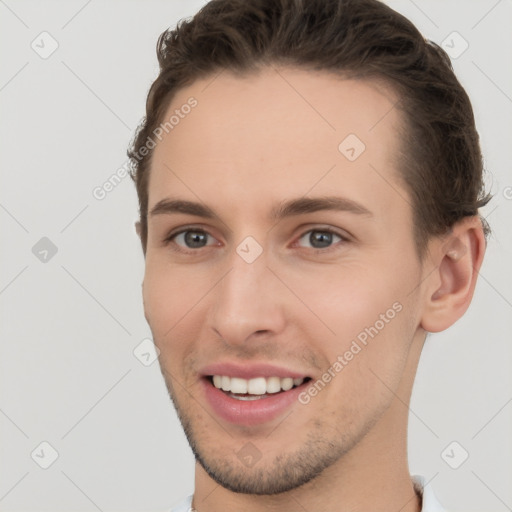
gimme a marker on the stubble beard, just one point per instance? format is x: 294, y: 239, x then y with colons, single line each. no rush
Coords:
x: 286, y: 471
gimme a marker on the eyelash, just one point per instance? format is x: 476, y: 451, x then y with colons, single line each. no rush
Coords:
x: 169, y: 241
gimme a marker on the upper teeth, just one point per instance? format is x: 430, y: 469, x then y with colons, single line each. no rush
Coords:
x: 256, y: 386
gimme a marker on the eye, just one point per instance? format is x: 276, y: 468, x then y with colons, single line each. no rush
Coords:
x: 190, y: 239
x: 320, y: 238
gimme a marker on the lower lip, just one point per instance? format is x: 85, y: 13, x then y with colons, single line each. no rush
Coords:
x: 250, y: 412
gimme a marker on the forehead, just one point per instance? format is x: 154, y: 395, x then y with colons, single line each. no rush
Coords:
x: 279, y: 132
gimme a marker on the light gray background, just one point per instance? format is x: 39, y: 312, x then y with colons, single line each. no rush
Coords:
x: 69, y: 326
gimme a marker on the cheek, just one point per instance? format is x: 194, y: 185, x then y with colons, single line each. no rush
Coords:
x: 170, y: 300
x: 348, y: 299
x: 366, y: 317
x: 367, y: 355
x: 169, y: 296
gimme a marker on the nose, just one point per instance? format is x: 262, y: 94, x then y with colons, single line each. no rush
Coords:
x: 248, y: 303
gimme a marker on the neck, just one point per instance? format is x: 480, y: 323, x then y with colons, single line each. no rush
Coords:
x: 374, y: 475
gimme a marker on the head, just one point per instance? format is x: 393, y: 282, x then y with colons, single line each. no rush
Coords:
x: 262, y: 114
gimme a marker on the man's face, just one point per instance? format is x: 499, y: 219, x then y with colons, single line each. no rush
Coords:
x: 246, y: 294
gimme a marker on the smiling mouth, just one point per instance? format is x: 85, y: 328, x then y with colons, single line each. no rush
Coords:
x: 256, y: 388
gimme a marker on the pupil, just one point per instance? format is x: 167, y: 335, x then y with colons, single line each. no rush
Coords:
x: 195, y: 239
x: 319, y: 239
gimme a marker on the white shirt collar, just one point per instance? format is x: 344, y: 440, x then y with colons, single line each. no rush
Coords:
x: 430, y: 502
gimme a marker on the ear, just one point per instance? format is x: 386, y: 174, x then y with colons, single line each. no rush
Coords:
x: 137, y: 227
x: 457, y: 259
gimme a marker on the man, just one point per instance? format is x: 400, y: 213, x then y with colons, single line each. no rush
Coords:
x: 309, y: 178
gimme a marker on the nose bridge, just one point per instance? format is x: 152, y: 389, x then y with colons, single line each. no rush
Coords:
x: 246, y: 301
x: 244, y: 284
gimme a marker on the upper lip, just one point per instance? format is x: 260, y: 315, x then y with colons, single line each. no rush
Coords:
x: 250, y: 370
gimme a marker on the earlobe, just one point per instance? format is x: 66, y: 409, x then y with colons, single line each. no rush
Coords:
x: 450, y: 287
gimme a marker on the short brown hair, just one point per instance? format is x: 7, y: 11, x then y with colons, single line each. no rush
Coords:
x: 441, y: 163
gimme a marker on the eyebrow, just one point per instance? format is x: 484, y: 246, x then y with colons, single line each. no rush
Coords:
x: 285, y: 209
